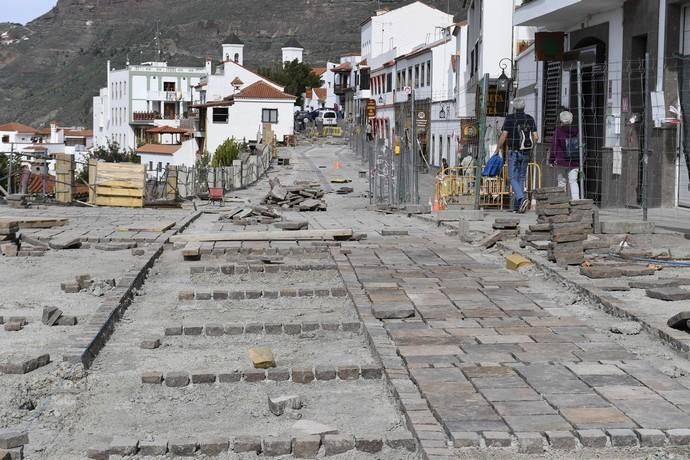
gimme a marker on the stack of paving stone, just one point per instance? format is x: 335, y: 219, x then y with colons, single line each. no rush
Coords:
x: 9, y: 245
x: 17, y: 201
x: 584, y: 210
x: 303, y: 196
x: 12, y: 442
x: 252, y: 215
x: 566, y: 231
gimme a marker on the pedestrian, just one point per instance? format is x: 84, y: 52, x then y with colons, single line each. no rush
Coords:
x: 370, y: 137
x: 444, y: 166
x: 24, y: 179
x: 519, y: 132
x: 564, y: 154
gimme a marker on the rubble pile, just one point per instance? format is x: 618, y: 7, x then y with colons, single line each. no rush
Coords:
x: 252, y: 216
x: 303, y: 196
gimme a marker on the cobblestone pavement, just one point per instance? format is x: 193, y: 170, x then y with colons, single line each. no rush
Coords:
x: 410, y: 344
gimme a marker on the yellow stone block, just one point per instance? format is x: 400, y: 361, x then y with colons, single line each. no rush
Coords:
x: 262, y: 357
x: 515, y: 261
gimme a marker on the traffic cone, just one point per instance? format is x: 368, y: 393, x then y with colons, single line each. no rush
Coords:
x: 436, y: 207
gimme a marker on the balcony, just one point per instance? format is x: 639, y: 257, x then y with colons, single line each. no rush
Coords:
x: 145, y: 117
x: 560, y: 14
x: 165, y: 96
x: 341, y: 89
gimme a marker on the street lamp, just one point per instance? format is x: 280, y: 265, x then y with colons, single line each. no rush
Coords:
x: 503, y: 80
x: 442, y: 113
x: 380, y: 99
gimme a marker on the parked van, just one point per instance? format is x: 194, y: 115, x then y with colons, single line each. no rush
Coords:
x: 328, y: 118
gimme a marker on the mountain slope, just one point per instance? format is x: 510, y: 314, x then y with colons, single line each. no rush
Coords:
x: 50, y: 69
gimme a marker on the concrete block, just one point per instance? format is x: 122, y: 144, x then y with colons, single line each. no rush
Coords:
x: 592, y: 438
x: 348, y: 372
x: 196, y: 270
x: 150, y: 344
x: 244, y: 444
x: 338, y: 292
x: 325, y: 372
x: 370, y: 444
x: 219, y: 294
x: 212, y: 446
x: 124, y: 446
x: 12, y: 326
x: 651, y: 438
x: 463, y: 439
x: 351, y: 326
x: 305, y: 292
x: 322, y: 292
x: 275, y: 446
x: 530, y: 443
x: 404, y: 441
x: 270, y: 294
x: 70, y: 287
x: 203, y: 377
x: 292, y: 328
x: 497, y: 439
x: 679, y: 437
x: 152, y: 378
x: 335, y: 444
x: 66, y: 320
x: 11, y: 438
x: 234, y: 329
x: 254, y: 328
x: 669, y: 294
x: 561, y: 440
x: 173, y: 330
x: 185, y: 295
x: 371, y: 372
x: 277, y: 405
x: 619, y: 227
x: 262, y: 357
x: 306, y: 446
x: 331, y: 326
x: 229, y: 377
x: 193, y: 330
x: 50, y: 315
x: 273, y: 328
x: 254, y: 375
x: 288, y: 293
x: 153, y: 448
x: 182, y: 447
x: 302, y: 375
x: 236, y: 295
x: 278, y: 374
x: 177, y: 379
x: 227, y: 269
x: 310, y: 326
x: 312, y: 427
x: 253, y: 293
x: 214, y: 330
x: 622, y: 437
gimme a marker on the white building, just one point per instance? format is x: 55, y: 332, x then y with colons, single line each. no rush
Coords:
x: 292, y: 50
x: 167, y: 146
x: 139, y: 97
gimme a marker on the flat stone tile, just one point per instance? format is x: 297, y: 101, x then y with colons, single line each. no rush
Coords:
x: 610, y: 380
x: 477, y: 425
x: 563, y: 400
x: 677, y: 397
x: 595, y: 369
x: 546, y: 357
x: 658, y: 414
x: 488, y: 371
x: 471, y: 331
x: 510, y: 394
x: 537, y: 423
x: 597, y: 417
x: 626, y: 392
x: 491, y: 339
x: 523, y: 408
x: 508, y: 381
x: 430, y: 350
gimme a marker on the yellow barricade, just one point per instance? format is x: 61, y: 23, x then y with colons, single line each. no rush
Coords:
x: 335, y: 131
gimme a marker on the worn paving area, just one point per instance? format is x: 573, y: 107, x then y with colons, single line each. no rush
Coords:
x: 409, y: 344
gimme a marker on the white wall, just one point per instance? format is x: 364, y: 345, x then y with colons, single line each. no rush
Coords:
x: 290, y: 54
x: 219, y: 84
x: 244, y: 121
x: 185, y: 156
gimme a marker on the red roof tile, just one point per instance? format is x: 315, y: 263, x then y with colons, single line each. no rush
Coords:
x: 159, y: 149
x: 261, y: 90
x: 18, y: 127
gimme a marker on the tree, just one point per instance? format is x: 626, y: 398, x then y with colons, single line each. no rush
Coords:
x: 226, y: 153
x: 112, y: 153
x: 295, y: 76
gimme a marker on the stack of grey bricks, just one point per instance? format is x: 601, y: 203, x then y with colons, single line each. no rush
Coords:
x: 584, y: 209
x: 563, y: 221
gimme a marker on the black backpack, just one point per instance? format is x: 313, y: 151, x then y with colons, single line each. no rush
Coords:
x: 572, y: 148
x: 525, y: 132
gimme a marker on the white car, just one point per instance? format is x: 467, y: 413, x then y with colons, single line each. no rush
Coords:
x: 328, y: 118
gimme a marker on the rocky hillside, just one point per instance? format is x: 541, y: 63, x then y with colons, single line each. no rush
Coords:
x: 50, y: 69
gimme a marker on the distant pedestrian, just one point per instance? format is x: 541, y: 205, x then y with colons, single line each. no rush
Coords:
x: 444, y: 166
x: 565, y: 154
x: 370, y: 136
x: 24, y: 179
x: 519, y: 132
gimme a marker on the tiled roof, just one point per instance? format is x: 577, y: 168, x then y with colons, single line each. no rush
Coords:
x: 344, y: 66
x: 37, y: 148
x: 159, y: 149
x: 167, y: 130
x: 321, y: 93
x: 318, y: 71
x: 261, y: 90
x: 78, y: 132
x: 18, y: 127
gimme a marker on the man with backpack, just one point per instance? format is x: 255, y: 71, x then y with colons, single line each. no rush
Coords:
x: 519, y: 132
x: 565, y: 154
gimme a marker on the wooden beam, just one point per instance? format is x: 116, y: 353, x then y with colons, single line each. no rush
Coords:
x: 299, y: 235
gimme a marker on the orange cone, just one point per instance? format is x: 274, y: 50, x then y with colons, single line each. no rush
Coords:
x: 436, y: 207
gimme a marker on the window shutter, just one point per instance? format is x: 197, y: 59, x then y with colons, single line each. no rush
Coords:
x: 552, y: 98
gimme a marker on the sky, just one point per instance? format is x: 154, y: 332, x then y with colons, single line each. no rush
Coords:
x: 23, y: 11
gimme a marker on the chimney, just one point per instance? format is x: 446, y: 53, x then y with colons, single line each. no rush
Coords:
x: 53, y: 133
x: 209, y: 65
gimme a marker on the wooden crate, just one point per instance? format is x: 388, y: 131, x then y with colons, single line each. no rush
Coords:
x: 119, y: 184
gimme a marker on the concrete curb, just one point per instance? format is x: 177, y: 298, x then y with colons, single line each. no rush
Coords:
x: 249, y: 294
x: 241, y: 269
x: 236, y: 329
x: 100, y: 326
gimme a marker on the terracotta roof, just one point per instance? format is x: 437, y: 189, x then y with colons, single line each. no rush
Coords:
x: 261, y: 90
x: 18, y: 127
x: 43, y: 131
x: 318, y: 71
x: 363, y: 63
x: 78, y: 132
x: 159, y: 149
x: 321, y: 93
x: 39, y: 148
x: 168, y: 130
x: 237, y: 81
x: 308, y: 93
x: 344, y: 66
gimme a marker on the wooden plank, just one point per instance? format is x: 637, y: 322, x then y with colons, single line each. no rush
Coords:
x: 299, y: 235
x: 93, y: 164
x: 146, y: 227
x: 120, y: 201
x: 121, y: 191
x: 35, y: 222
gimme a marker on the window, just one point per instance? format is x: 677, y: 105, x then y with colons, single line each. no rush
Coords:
x: 389, y: 82
x: 269, y: 115
x: 220, y: 114
x: 416, y: 76
x: 6, y: 139
x: 364, y: 80
x: 150, y: 165
x: 237, y: 58
x: 428, y: 73
x: 169, y: 86
x: 422, y: 76
x: 160, y: 166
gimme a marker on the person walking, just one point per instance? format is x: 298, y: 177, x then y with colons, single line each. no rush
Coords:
x: 564, y: 154
x: 519, y: 132
x: 370, y: 136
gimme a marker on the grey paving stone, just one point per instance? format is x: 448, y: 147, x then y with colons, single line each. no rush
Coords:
x: 184, y: 447
x: 651, y: 437
x: 497, y: 438
x: 124, y: 446
x: 335, y: 444
x: 177, y: 379
x: 234, y: 329
x: 392, y: 311
x: 401, y: 441
x: 679, y: 436
x: 537, y: 423
x: 368, y: 443
x: 348, y: 372
x: 152, y: 378
x: 465, y: 439
x: 153, y: 448
x: 306, y: 446
x: 203, y: 377
x: 292, y: 328
x: 278, y: 374
x: 325, y: 372
x: 246, y: 443
x: 302, y: 375
x: 592, y: 438
x: 277, y: 446
x: 254, y: 375
x: 622, y: 437
x: 561, y: 440
x: 214, y: 330
x: 530, y: 443
x: 229, y: 377
x: 213, y: 445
